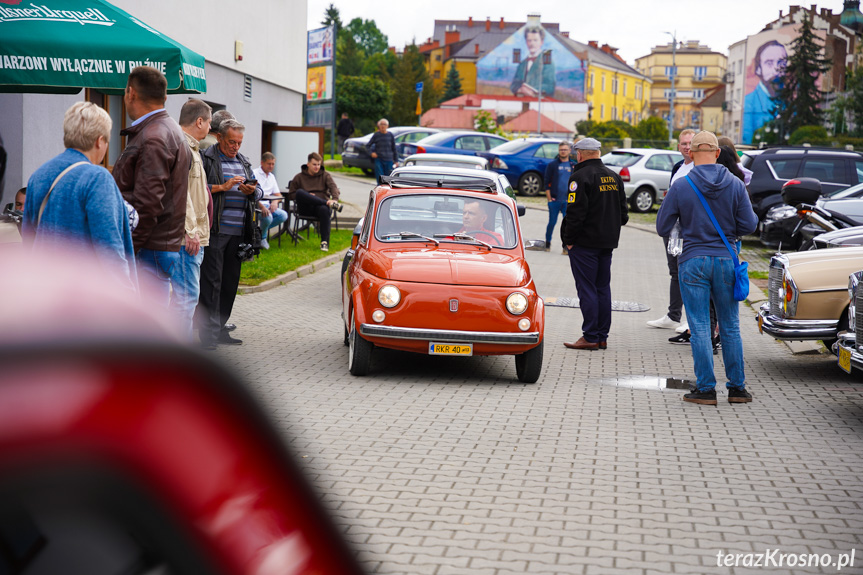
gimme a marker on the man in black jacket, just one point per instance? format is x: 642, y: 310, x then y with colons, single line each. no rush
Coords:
x: 596, y: 209
x: 233, y: 220
x: 345, y: 129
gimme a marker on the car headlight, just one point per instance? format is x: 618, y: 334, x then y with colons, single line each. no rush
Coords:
x: 516, y: 303
x: 389, y: 296
x: 781, y: 212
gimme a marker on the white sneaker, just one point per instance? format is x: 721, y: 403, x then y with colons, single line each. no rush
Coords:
x: 683, y: 327
x: 325, y: 247
x: 664, y: 322
x: 265, y: 244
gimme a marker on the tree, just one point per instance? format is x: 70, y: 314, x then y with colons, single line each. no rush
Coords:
x: 808, y: 134
x: 350, y: 58
x: 485, y: 122
x: 797, y: 97
x: 331, y: 16
x: 584, y: 127
x: 381, y: 66
x: 367, y: 36
x: 451, y: 85
x: 652, y: 128
x: 363, y: 97
x: 854, y: 97
x: 409, y: 70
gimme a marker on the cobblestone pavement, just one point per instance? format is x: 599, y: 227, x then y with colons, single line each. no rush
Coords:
x: 450, y: 466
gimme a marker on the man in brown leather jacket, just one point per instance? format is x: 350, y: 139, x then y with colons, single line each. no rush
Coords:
x: 153, y: 175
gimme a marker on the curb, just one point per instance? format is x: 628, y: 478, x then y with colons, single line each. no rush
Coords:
x: 294, y: 274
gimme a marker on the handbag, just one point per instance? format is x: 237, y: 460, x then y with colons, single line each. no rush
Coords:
x: 51, y: 189
x: 741, y: 269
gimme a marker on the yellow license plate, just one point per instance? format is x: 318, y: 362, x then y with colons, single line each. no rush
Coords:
x: 450, y: 348
x: 761, y: 325
x: 845, y: 359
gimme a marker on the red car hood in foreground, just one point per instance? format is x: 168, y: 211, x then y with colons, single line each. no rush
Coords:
x: 440, y: 265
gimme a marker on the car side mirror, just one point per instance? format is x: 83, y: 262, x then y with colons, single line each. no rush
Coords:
x: 520, y: 209
x: 358, y: 229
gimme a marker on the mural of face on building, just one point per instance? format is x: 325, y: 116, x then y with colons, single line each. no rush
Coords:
x: 529, y: 61
x: 766, y: 57
x: 770, y: 63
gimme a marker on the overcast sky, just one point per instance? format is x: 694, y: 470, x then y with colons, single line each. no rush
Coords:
x: 633, y: 26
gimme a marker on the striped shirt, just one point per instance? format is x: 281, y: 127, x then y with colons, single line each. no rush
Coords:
x: 234, y: 212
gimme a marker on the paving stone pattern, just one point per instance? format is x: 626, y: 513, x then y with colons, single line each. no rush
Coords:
x: 450, y: 466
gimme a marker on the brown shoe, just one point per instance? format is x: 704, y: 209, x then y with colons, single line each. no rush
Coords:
x: 603, y: 345
x: 582, y: 344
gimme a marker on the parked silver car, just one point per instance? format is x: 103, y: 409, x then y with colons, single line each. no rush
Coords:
x: 646, y: 174
x: 446, y: 160
x: 440, y: 175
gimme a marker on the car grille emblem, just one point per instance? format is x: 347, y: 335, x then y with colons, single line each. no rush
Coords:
x: 453, y: 305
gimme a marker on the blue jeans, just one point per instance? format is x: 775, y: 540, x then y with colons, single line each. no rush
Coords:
x: 555, y: 207
x: 157, y: 271
x: 187, y: 288
x: 273, y: 220
x: 382, y: 168
x: 704, y: 278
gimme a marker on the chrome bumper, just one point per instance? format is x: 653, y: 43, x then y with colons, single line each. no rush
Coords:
x: 795, y: 329
x: 847, y: 341
x: 496, y: 337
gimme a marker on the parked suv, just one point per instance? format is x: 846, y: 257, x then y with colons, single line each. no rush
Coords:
x: 772, y: 167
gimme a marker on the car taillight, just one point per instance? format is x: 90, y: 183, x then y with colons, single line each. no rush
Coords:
x: 420, y: 150
x: 791, y: 183
x: 499, y: 164
x: 624, y: 174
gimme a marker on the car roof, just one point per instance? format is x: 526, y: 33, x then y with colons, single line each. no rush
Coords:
x: 643, y: 151
x: 447, y: 170
x: 811, y: 150
x: 460, y: 158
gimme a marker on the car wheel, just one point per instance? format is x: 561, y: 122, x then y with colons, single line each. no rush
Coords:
x: 368, y: 172
x: 359, y: 351
x: 642, y: 200
x: 843, y: 326
x: 528, y: 365
x: 530, y: 184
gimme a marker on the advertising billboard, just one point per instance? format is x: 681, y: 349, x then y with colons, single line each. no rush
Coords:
x: 321, y: 46
x: 319, y: 84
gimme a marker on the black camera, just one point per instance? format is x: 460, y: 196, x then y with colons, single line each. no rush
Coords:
x: 247, y: 252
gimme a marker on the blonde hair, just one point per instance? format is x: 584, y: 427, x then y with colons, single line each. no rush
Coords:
x: 83, y: 123
x: 686, y: 132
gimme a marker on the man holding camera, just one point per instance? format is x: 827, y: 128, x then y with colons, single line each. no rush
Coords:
x: 235, y: 194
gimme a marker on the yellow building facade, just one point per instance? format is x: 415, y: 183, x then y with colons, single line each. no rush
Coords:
x: 615, y: 94
x: 698, y: 70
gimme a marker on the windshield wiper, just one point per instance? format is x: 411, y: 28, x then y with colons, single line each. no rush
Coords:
x: 458, y: 236
x: 403, y: 235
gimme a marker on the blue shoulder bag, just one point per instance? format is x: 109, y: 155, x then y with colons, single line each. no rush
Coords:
x: 741, y: 269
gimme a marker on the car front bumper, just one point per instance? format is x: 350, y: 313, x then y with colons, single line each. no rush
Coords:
x: 848, y: 344
x: 450, y: 336
x: 795, y: 329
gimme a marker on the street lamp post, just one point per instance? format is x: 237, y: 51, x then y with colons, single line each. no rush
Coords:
x: 539, y: 93
x: 673, y: 93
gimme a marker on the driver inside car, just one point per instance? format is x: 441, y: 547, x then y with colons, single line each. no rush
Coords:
x: 474, y: 219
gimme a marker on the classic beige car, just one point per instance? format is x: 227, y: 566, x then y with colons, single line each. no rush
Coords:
x: 808, y: 294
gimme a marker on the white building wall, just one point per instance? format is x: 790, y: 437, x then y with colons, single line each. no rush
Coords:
x: 734, y: 90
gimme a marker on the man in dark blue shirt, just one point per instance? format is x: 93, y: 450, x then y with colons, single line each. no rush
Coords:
x: 382, y: 147
x: 557, y: 175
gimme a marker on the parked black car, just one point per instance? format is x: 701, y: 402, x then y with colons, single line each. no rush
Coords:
x: 356, y: 155
x: 772, y: 167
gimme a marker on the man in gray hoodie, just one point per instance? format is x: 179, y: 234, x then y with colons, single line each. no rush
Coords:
x: 705, y: 267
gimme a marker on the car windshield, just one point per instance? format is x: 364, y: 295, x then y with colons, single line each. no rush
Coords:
x: 852, y: 192
x: 513, y: 147
x: 443, y: 218
x: 434, y: 139
x: 620, y: 159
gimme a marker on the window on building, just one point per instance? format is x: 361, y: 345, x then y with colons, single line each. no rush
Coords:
x: 602, y: 111
x: 437, y: 57
x: 700, y: 72
x: 614, y: 112
x: 624, y: 88
x: 117, y: 110
x: 667, y: 93
x: 698, y: 94
x: 602, y: 85
x: 516, y: 56
x: 737, y: 95
x: 591, y: 80
x: 671, y: 71
x: 614, y: 85
x: 638, y: 91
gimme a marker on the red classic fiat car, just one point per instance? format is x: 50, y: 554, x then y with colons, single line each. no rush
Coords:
x: 440, y: 270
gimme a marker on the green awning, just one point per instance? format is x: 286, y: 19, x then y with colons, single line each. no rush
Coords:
x: 61, y: 46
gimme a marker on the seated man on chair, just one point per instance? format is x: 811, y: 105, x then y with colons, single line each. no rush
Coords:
x: 272, y: 215
x: 316, y: 195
